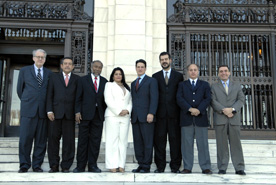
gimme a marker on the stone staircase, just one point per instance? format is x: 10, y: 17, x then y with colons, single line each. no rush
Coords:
x: 260, y: 160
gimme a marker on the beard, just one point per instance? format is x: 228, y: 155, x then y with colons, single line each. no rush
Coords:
x: 166, y: 67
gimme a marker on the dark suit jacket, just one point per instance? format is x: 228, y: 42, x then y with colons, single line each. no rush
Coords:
x: 167, y: 106
x: 144, y: 100
x: 61, y: 99
x: 87, y: 98
x: 221, y: 100
x: 199, y: 98
x: 32, y: 97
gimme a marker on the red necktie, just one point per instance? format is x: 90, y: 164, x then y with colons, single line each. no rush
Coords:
x: 66, y: 79
x: 95, y: 84
x: 137, y: 83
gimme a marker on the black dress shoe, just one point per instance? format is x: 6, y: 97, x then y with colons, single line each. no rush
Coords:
x: 240, y: 172
x: 137, y: 170
x: 145, y: 171
x: 65, y: 170
x: 207, y: 171
x: 22, y: 170
x: 158, y: 171
x: 76, y: 170
x: 37, y: 169
x: 94, y: 169
x: 222, y: 172
x: 185, y: 171
x: 54, y: 169
x: 175, y: 171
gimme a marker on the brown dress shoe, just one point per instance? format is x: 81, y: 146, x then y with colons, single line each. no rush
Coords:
x: 207, y: 171
x: 185, y: 171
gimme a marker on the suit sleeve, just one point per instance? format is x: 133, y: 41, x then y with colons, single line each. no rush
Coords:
x: 215, y: 103
x: 154, y: 95
x: 109, y: 99
x: 182, y: 103
x: 79, y: 95
x: 50, y: 94
x: 129, y: 105
x: 206, y: 99
x: 20, y: 84
x: 240, y: 100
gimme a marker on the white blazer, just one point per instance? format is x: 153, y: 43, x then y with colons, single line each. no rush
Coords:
x: 116, y: 100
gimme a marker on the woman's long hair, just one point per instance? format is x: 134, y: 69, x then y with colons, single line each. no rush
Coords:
x: 123, y: 77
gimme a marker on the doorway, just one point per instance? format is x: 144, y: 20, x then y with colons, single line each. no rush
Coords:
x: 9, y: 102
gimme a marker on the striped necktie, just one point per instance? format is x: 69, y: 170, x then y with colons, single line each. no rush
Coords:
x: 39, y: 78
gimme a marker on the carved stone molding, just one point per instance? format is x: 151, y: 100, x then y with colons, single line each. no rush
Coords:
x: 78, y: 50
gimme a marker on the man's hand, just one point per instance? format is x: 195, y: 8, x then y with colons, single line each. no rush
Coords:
x: 194, y: 111
x: 227, y: 111
x: 51, y: 116
x: 123, y: 113
x: 150, y: 118
x: 230, y: 115
x: 78, y: 118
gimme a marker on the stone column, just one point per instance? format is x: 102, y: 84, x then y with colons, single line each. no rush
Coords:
x: 128, y: 30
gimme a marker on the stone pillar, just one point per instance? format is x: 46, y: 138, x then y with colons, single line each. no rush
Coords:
x: 128, y: 30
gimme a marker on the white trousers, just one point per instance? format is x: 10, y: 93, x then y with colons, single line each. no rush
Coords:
x: 116, y: 137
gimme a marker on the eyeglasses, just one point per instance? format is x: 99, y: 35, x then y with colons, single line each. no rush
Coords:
x: 40, y: 57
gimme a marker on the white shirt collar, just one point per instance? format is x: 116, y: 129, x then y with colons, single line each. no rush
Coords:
x: 191, y: 80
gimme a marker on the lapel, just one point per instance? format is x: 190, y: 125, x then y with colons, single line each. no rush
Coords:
x: 222, y: 88
x: 198, y: 84
x: 171, y: 77
x: 101, y: 86
x: 230, y: 87
x: 90, y: 82
x: 143, y: 81
x: 189, y: 85
x: 62, y: 79
x: 161, y: 77
x: 32, y: 69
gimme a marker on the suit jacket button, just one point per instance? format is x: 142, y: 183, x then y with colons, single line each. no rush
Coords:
x: 193, y: 100
x: 193, y: 92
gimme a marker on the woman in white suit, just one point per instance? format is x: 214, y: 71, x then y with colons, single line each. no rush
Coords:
x: 117, y: 119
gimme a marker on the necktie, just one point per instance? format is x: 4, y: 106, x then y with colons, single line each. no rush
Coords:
x: 193, y: 84
x: 137, y: 83
x: 95, y: 84
x: 226, y: 88
x: 39, y: 78
x: 166, y: 78
x: 66, y: 79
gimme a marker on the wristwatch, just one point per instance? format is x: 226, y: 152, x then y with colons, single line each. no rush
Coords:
x: 234, y: 110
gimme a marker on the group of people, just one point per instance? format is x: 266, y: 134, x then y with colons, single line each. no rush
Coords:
x: 158, y: 107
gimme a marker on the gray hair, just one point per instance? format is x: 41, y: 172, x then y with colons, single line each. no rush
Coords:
x: 40, y: 50
x: 94, y: 61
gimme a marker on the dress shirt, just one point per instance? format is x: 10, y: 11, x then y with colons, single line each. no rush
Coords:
x: 223, y: 83
x: 191, y: 81
x: 168, y: 73
x: 141, y: 78
x: 36, y: 71
x: 98, y: 80
x: 64, y: 75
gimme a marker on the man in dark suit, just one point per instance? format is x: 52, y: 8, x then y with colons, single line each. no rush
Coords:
x: 227, y: 101
x: 31, y: 90
x: 194, y: 97
x: 144, y: 91
x: 90, y: 107
x: 167, y: 116
x: 60, y: 107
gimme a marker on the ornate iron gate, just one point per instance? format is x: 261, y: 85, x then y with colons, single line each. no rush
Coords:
x: 237, y: 33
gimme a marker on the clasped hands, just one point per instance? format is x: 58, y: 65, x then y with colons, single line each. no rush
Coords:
x: 194, y: 111
x: 123, y: 113
x: 228, y: 112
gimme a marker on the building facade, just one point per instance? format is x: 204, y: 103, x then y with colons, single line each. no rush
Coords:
x: 239, y: 33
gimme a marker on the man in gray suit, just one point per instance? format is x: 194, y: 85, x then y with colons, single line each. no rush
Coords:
x: 227, y: 101
x: 31, y: 90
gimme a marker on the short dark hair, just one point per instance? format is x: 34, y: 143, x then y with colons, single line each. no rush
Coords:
x: 123, y: 77
x: 141, y: 61
x: 223, y: 66
x: 62, y: 60
x: 94, y: 61
x: 192, y: 64
x: 164, y: 53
